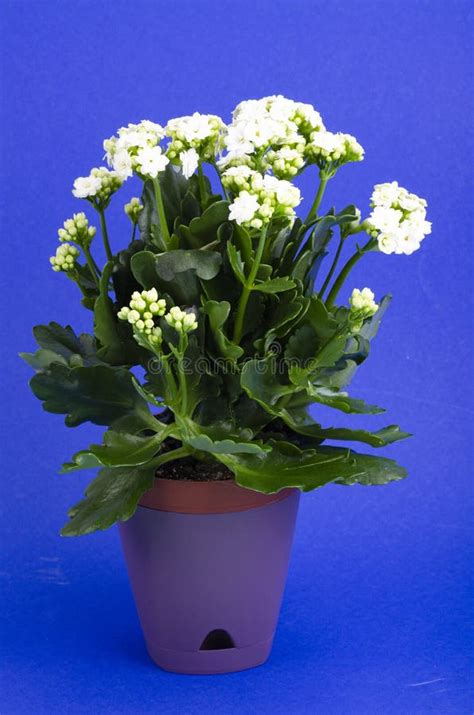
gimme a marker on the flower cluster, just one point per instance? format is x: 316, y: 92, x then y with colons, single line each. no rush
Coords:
x: 330, y: 151
x: 285, y: 162
x: 194, y: 138
x: 181, y: 321
x: 133, y: 209
x: 77, y: 230
x: 65, y: 258
x: 363, y: 306
x: 141, y: 312
x: 257, y: 198
x: 398, y: 219
x: 98, y: 187
x: 135, y: 148
x: 270, y: 122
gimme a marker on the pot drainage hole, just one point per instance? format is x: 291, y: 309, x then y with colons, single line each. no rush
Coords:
x: 217, y: 639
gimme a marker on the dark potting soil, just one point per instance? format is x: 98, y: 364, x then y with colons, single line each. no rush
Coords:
x: 196, y: 470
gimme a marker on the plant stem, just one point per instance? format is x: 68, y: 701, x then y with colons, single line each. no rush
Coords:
x: 226, y: 195
x: 346, y: 269
x: 134, y: 231
x: 91, y: 264
x: 332, y: 269
x: 202, y: 185
x: 171, y: 456
x: 247, y: 289
x: 317, y: 201
x: 105, y: 236
x: 183, y: 387
x: 169, y: 379
x: 161, y: 213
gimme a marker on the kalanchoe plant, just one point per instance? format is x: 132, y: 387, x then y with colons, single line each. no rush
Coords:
x: 221, y: 299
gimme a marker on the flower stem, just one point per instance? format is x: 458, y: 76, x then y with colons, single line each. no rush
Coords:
x: 247, y: 289
x: 346, y: 269
x: 161, y: 213
x: 332, y: 269
x: 202, y: 185
x: 317, y: 201
x: 226, y: 195
x: 183, y: 387
x: 105, y: 236
x: 91, y: 264
x: 134, y: 231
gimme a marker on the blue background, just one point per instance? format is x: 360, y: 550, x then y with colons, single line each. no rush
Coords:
x: 376, y: 617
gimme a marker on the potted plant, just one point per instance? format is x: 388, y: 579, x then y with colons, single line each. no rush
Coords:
x: 215, y: 328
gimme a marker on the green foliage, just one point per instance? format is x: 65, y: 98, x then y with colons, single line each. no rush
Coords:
x: 236, y: 394
x: 112, y: 496
x: 286, y: 465
x: 98, y: 394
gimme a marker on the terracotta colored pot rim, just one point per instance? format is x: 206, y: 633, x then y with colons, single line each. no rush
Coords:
x: 218, y: 497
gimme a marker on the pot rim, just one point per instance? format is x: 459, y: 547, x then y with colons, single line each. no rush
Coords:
x: 206, y: 497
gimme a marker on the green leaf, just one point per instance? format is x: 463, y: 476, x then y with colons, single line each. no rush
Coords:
x: 205, y: 264
x: 42, y: 359
x: 124, y: 281
x: 236, y: 262
x: 286, y: 465
x: 302, y: 423
x: 204, y: 443
x: 276, y: 285
x: 356, y: 351
x: 184, y: 289
x: 341, y: 401
x: 284, y: 316
x: 99, y: 394
x: 117, y: 344
x: 243, y: 243
x: 176, y: 272
x: 218, y: 312
x: 174, y: 187
x: 119, y: 450
x: 113, y: 496
x: 204, y: 228
x: 61, y: 344
x: 260, y: 382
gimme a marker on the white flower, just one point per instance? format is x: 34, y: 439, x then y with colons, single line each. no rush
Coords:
x: 180, y: 320
x: 99, y: 185
x: 286, y: 161
x: 363, y: 306
x: 189, y: 162
x: 259, y: 198
x: 336, y: 149
x: 385, y: 219
x: 388, y: 242
x: 286, y: 193
x: 385, y: 194
x: 77, y: 230
x: 151, y: 161
x: 238, y: 140
x: 143, y: 308
x: 86, y: 186
x: 244, y: 208
x: 398, y: 219
x: 327, y: 141
x: 65, y: 258
x: 363, y: 300
x: 122, y: 163
x: 133, y: 209
x: 198, y: 132
x: 194, y: 128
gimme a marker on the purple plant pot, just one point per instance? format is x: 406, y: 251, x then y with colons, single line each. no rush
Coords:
x: 208, y: 563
